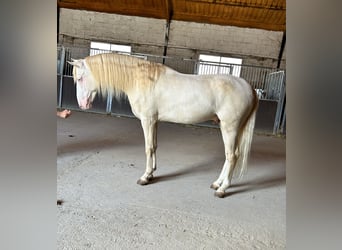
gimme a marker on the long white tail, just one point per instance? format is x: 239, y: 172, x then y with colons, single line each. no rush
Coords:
x: 245, y: 142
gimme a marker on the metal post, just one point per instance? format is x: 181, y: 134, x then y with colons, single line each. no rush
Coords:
x: 169, y: 13
x: 282, y: 47
x: 166, y: 42
x: 62, y: 62
x: 282, y: 126
x: 279, y: 105
x: 109, y: 103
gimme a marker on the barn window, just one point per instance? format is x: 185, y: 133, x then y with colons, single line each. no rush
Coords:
x: 97, y: 48
x: 219, y: 65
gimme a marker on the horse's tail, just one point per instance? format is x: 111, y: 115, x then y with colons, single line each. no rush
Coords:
x: 245, y: 140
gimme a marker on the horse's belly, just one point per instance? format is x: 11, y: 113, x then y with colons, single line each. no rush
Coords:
x: 186, y: 119
x: 186, y: 114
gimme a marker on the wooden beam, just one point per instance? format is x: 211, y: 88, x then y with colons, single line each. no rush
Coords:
x: 230, y: 22
x: 115, y: 7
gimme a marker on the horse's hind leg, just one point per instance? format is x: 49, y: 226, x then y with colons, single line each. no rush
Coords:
x: 149, y: 126
x: 216, y: 184
x: 229, y: 135
x: 154, y: 161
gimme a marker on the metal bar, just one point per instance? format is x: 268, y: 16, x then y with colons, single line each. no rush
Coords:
x: 58, y: 15
x: 109, y: 103
x: 62, y: 62
x: 283, y: 121
x: 282, y: 47
x: 166, y: 42
x: 279, y: 107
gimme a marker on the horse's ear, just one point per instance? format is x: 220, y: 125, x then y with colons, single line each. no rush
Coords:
x: 76, y: 63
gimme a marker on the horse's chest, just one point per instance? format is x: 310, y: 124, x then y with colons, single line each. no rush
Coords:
x: 142, y: 106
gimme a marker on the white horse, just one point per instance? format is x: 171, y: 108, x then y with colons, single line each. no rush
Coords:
x: 159, y: 93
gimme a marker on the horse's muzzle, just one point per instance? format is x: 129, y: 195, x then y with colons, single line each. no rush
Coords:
x: 84, y: 103
x: 86, y: 106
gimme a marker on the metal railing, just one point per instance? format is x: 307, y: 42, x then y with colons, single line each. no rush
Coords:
x: 269, y: 82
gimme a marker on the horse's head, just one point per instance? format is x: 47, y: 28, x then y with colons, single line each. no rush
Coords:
x: 85, y: 85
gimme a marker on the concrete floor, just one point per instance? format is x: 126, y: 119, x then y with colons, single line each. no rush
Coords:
x: 100, y: 158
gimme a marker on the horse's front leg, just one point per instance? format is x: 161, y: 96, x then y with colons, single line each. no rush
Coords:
x: 149, y: 126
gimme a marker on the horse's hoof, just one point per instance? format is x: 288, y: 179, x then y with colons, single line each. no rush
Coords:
x: 142, y: 182
x: 150, y: 177
x: 214, y: 186
x: 220, y: 194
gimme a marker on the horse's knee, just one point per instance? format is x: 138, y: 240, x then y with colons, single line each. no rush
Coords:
x: 231, y: 157
x: 150, y: 151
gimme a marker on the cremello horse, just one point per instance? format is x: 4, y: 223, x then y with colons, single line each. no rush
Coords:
x: 159, y: 93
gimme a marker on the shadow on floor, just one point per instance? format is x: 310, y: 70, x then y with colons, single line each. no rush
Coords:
x: 94, y: 144
x: 258, y: 184
x: 274, y: 179
x: 202, y: 167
